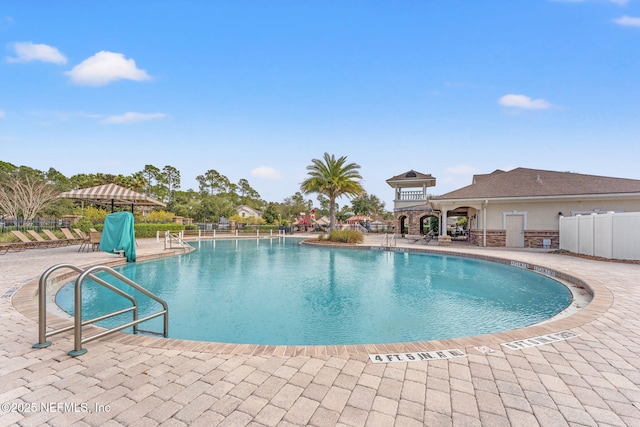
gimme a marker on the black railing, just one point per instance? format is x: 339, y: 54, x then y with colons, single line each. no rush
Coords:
x: 6, y: 225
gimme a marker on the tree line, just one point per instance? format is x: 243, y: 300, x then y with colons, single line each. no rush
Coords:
x: 30, y: 193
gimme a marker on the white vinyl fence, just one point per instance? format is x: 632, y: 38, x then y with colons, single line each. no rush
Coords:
x: 611, y: 235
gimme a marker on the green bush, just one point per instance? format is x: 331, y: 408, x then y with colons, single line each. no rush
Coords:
x: 92, y: 215
x: 263, y: 229
x: 161, y: 217
x: 346, y: 236
x: 149, y: 230
x: 84, y: 224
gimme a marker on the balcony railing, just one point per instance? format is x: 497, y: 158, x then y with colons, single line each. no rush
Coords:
x: 411, y: 195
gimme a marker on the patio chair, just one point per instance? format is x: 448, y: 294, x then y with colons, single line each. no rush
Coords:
x: 94, y: 239
x: 55, y: 238
x: 69, y: 236
x: 427, y: 238
x: 85, y: 239
x: 421, y: 238
x: 41, y: 240
x: 27, y: 242
x: 80, y: 233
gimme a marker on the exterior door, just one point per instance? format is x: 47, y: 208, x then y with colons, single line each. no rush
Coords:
x: 515, y: 231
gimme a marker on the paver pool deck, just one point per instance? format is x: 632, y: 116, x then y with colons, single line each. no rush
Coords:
x: 589, y: 380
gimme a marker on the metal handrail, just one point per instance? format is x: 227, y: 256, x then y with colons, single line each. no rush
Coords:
x: 171, y: 237
x: 78, y: 322
x: 386, y: 242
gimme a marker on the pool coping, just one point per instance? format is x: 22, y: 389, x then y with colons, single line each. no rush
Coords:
x: 25, y: 301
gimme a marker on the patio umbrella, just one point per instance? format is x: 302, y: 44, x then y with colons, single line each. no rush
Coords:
x: 111, y: 194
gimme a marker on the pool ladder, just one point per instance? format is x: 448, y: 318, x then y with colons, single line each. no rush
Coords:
x: 170, y: 239
x: 389, y: 240
x: 78, y: 322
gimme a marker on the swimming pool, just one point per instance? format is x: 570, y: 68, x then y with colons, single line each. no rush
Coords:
x: 276, y: 292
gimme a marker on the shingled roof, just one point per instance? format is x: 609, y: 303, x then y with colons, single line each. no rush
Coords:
x: 412, y: 177
x: 482, y: 177
x: 523, y: 182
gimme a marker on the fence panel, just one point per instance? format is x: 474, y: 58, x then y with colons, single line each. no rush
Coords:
x: 585, y: 233
x: 626, y: 234
x: 611, y: 235
x: 569, y: 233
x: 603, y: 235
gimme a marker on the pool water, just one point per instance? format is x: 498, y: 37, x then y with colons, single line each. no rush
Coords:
x: 276, y: 292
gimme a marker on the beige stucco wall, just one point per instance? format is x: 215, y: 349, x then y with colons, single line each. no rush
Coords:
x: 543, y: 215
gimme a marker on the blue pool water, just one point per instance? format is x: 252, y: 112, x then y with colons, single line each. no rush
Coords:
x: 274, y: 291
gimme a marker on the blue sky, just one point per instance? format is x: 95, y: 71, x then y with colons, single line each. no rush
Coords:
x: 256, y: 89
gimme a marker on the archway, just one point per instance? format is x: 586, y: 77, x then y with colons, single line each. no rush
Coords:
x: 404, y: 227
x: 429, y: 223
x: 461, y: 221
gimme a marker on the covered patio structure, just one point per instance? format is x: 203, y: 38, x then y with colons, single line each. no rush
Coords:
x: 111, y: 195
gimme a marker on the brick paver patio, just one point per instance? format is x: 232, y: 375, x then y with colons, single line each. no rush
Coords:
x: 589, y: 380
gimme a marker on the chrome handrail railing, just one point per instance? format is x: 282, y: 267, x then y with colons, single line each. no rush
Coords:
x: 170, y: 237
x: 387, y: 241
x: 77, y: 315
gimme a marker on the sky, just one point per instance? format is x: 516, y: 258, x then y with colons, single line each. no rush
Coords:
x: 257, y: 89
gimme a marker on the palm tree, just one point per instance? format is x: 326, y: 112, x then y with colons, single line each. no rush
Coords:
x: 332, y: 178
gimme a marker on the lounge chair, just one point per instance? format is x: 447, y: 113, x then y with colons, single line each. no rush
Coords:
x: 427, y: 238
x: 80, y: 233
x: 55, y: 238
x: 41, y: 240
x: 27, y: 242
x: 84, y: 237
x: 422, y: 239
x: 6, y: 247
x: 412, y: 238
x: 69, y: 236
x: 92, y: 241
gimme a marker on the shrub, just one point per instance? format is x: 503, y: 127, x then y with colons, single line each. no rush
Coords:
x: 149, y: 230
x: 252, y: 228
x: 346, y: 236
x: 160, y: 216
x: 92, y: 214
x: 84, y: 224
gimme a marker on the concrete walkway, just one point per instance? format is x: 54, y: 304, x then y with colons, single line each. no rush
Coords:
x: 589, y: 380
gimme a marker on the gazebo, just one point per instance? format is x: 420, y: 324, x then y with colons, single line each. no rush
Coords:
x: 113, y: 195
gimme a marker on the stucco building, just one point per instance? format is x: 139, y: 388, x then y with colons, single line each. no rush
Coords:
x: 517, y: 208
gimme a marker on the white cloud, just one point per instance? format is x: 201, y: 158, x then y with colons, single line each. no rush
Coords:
x: 266, y: 173
x: 2, y: 114
x: 462, y: 170
x: 131, y: 117
x: 105, y: 67
x: 522, y: 101
x: 27, y: 52
x: 629, y: 21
